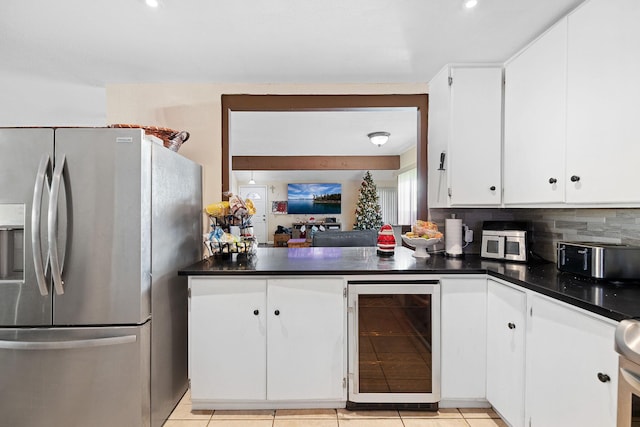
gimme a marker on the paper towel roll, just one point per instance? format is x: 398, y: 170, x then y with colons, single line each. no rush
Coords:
x: 453, y: 236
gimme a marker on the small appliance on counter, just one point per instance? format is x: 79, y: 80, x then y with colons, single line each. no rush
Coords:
x: 506, y: 240
x: 599, y: 260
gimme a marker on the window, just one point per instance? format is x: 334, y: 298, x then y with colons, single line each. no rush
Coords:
x: 388, y: 199
x: 407, y: 197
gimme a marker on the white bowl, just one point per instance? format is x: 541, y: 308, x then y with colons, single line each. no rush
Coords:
x: 421, y: 244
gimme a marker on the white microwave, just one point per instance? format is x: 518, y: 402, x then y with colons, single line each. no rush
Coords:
x: 500, y: 242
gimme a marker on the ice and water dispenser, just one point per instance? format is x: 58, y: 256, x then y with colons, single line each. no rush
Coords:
x: 11, y: 242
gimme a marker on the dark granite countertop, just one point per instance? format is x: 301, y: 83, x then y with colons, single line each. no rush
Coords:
x: 616, y: 301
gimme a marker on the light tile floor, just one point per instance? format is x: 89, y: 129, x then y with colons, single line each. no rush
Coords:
x: 183, y: 416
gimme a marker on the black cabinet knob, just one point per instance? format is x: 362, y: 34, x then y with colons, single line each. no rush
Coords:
x: 511, y: 325
x: 492, y: 188
x: 277, y: 312
x: 575, y: 178
x: 604, y: 377
x: 552, y: 180
x: 256, y: 312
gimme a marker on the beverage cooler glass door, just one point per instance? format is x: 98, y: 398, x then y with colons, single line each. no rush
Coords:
x: 394, y: 342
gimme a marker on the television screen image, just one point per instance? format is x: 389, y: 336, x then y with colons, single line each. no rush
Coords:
x: 318, y: 199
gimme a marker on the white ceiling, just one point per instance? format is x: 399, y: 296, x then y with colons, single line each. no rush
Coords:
x: 266, y: 41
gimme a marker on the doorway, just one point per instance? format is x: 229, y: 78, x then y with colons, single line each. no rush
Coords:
x: 258, y: 196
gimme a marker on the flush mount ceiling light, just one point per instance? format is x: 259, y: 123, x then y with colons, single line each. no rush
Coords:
x: 470, y: 4
x: 379, y: 138
x: 152, y: 3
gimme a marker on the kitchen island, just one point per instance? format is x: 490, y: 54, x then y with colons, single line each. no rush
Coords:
x: 532, y: 342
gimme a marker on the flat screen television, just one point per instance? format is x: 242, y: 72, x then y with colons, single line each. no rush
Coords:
x: 316, y: 199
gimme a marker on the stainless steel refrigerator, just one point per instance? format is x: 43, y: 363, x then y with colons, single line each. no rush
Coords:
x: 94, y: 224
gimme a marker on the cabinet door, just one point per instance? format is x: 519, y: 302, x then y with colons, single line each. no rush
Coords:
x: 439, y: 116
x: 463, y: 340
x: 306, y: 350
x: 602, y: 102
x: 506, y: 330
x: 535, y: 121
x: 566, y: 351
x: 476, y: 136
x: 228, y: 339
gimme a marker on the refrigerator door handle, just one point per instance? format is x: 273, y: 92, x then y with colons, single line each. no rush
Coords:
x: 65, y: 345
x: 36, y: 210
x: 56, y: 269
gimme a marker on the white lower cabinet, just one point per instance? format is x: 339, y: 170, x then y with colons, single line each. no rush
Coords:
x: 571, y: 367
x: 506, y: 329
x: 264, y: 343
x: 549, y: 364
x: 281, y: 343
x: 463, y: 341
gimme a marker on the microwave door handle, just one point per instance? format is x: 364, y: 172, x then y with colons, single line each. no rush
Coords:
x: 36, y: 238
x: 56, y: 271
x: 502, y: 243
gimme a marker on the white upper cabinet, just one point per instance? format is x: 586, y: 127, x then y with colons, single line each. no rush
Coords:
x: 603, y: 108
x: 535, y: 121
x: 438, y: 137
x: 571, y: 107
x: 465, y: 113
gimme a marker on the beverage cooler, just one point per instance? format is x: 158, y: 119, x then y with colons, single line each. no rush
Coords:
x: 394, y: 344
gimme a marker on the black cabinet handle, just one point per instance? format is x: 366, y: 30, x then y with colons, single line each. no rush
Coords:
x: 256, y: 312
x: 492, y: 188
x: 604, y: 377
x: 277, y: 312
x: 552, y: 180
x: 511, y: 325
x: 575, y: 178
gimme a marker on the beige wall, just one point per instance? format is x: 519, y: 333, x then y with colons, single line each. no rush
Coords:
x: 197, y: 109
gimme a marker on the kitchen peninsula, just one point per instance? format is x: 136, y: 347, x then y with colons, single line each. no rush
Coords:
x: 613, y: 301
x: 270, y: 331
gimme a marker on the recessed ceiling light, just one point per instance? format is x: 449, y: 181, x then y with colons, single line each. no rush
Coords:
x: 152, y: 3
x: 469, y: 4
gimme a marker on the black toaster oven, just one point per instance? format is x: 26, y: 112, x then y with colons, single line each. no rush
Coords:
x: 599, y: 260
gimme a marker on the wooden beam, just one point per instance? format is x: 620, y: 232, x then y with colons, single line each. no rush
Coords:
x: 331, y: 103
x: 270, y: 163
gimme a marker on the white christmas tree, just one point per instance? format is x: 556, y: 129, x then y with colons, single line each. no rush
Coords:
x: 368, y: 211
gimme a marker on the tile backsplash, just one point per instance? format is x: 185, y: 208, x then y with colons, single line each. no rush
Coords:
x: 552, y: 225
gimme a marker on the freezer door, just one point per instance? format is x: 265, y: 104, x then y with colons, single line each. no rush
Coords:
x: 100, y: 251
x: 25, y: 171
x: 75, y: 377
